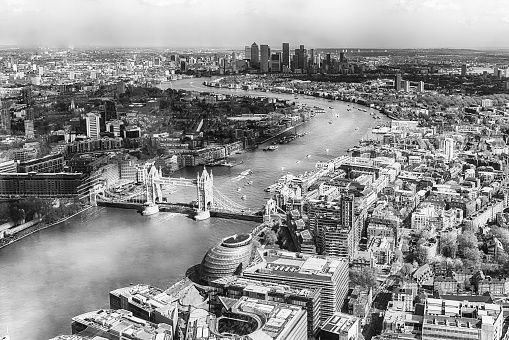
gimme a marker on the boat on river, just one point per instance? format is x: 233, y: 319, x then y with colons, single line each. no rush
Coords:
x: 246, y: 172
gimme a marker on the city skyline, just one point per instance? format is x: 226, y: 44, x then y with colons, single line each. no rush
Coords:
x: 234, y: 24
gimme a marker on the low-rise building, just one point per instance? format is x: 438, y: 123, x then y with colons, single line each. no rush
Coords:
x: 461, y: 317
x: 340, y: 326
x: 119, y: 324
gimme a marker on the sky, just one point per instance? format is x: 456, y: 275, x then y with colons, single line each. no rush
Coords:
x: 236, y: 23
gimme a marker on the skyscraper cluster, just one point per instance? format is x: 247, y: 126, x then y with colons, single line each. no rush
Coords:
x: 301, y: 61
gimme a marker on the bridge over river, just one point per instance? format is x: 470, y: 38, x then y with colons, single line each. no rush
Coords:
x: 210, y: 201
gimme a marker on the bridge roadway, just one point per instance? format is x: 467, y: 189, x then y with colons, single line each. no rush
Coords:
x: 184, y: 208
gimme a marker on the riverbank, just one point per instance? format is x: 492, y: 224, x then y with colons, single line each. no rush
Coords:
x: 328, y: 96
x: 280, y: 133
x: 35, y: 228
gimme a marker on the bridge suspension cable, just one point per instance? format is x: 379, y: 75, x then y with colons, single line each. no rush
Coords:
x: 223, y: 202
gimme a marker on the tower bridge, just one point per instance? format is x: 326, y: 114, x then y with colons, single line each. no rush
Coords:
x: 209, y: 198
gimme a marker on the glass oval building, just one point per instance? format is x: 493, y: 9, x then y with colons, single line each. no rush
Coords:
x: 228, y: 257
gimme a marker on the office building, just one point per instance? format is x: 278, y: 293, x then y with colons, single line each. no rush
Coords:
x: 464, y: 69
x: 44, y: 184
x: 449, y: 149
x: 119, y: 324
x: 47, y: 164
x: 420, y: 86
x: 228, y: 257
x: 90, y: 145
x: 342, y: 57
x: 93, y: 125
x: 9, y: 166
x: 29, y: 129
x: 305, y: 271
x: 247, y: 318
x: 340, y: 326
x: 24, y: 154
x: 5, y: 119
x: 462, y: 317
x: 255, y: 55
x: 247, y: 53
x: 147, y: 303
x: 121, y: 88
x: 132, y: 132
x: 405, y: 86
x: 275, y: 63
x: 285, y: 61
x: 264, y: 58
x: 235, y: 287
x: 334, y: 224
x: 302, y: 58
x: 26, y: 95
x: 397, y: 82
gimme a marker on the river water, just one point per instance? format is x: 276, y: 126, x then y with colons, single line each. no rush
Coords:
x: 55, y: 274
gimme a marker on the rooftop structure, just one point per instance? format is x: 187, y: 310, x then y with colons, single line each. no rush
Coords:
x: 145, y: 302
x: 305, y: 271
x: 446, y: 318
x: 308, y: 298
x: 120, y: 323
x: 340, y: 326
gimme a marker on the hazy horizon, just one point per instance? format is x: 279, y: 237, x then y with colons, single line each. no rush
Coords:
x: 364, y: 24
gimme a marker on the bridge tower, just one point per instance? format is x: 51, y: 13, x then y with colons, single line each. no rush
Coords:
x: 270, y: 210
x: 96, y: 189
x: 152, y: 185
x: 152, y: 191
x: 204, y: 185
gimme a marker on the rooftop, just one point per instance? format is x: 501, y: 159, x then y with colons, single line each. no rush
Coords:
x: 253, y: 285
x: 339, y: 323
x: 122, y: 321
x: 295, y: 264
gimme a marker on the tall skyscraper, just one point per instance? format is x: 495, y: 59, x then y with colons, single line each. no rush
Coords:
x: 275, y: 62
x: 264, y: 58
x: 255, y: 55
x: 397, y: 82
x: 405, y: 84
x: 302, y: 58
x: 234, y: 62
x: 93, y: 127
x: 26, y: 95
x: 464, y: 69
x: 342, y: 56
x: 420, y: 86
x: 29, y: 128
x: 286, y: 55
x: 247, y: 53
x: 449, y: 149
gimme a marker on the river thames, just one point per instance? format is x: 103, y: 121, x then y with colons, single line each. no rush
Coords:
x: 68, y: 269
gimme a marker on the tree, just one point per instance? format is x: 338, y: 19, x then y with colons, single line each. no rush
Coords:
x: 269, y: 237
x: 365, y: 278
x: 502, y: 235
x: 407, y: 269
x: 472, y: 257
x: 467, y: 240
x: 449, y: 245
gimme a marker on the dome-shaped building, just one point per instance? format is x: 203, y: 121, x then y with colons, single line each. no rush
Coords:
x: 227, y: 257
